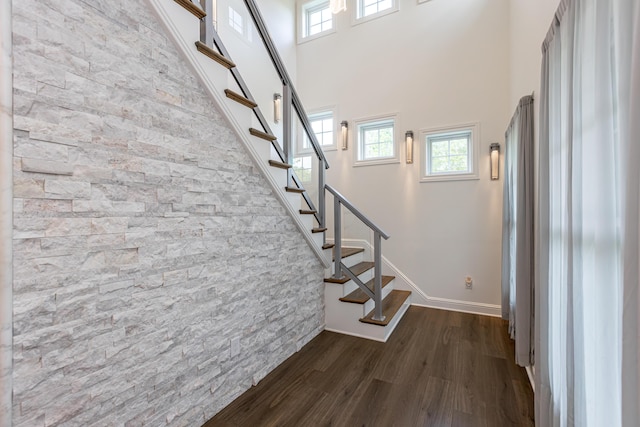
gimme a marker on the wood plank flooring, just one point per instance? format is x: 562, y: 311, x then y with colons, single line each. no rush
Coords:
x: 439, y: 368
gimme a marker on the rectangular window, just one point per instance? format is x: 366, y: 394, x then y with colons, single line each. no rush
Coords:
x: 322, y: 125
x: 376, y: 141
x: 316, y: 20
x: 450, y: 154
x: 371, y: 9
x: 303, y: 168
x: 319, y: 19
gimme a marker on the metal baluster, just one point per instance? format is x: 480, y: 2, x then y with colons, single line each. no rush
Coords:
x: 206, y: 23
x: 337, y: 236
x: 321, y: 198
x: 286, y: 130
x: 377, y: 280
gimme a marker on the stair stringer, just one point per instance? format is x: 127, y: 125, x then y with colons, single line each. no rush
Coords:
x: 184, y: 29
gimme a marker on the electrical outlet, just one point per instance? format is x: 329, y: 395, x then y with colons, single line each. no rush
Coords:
x: 468, y: 282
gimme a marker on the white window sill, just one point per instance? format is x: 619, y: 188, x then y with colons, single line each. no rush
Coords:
x: 450, y: 177
x: 358, y: 21
x: 316, y: 36
x: 376, y: 162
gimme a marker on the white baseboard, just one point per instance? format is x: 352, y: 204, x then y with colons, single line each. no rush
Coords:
x: 353, y: 334
x: 419, y: 297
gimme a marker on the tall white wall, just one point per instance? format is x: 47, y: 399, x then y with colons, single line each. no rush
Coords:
x: 434, y: 64
x: 530, y: 20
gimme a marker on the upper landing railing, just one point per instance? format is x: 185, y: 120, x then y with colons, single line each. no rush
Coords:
x: 291, y: 104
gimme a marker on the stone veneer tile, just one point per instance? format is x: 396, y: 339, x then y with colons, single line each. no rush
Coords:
x: 144, y: 237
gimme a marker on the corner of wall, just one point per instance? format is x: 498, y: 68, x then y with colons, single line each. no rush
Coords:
x: 6, y: 214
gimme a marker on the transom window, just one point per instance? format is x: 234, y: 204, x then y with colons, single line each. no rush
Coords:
x: 370, y: 9
x: 322, y: 125
x: 316, y: 18
x: 376, y: 141
x: 450, y: 154
x: 319, y: 19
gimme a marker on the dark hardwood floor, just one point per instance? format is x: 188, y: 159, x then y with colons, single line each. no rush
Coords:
x: 439, y: 368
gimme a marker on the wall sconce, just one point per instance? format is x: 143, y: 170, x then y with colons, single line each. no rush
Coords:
x: 408, y: 140
x: 345, y: 127
x: 277, y: 99
x: 494, y: 151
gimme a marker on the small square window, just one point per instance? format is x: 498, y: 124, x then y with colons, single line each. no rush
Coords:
x: 375, y: 141
x: 450, y: 154
x: 315, y: 20
x: 323, y: 126
x: 371, y: 9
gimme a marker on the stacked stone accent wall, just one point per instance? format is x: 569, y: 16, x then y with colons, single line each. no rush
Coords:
x: 156, y: 275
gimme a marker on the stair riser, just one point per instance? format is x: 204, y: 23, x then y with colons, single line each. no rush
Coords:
x: 369, y: 305
x: 339, y: 320
x: 280, y: 175
x: 350, y: 286
x: 295, y: 199
x: 318, y: 237
x: 349, y: 261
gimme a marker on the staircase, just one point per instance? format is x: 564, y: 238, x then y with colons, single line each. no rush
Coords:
x: 359, y: 299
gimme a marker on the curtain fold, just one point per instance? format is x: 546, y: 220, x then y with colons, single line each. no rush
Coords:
x: 587, y: 217
x: 518, y: 230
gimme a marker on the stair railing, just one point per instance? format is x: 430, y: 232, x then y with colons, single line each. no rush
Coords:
x: 339, y: 267
x: 291, y: 104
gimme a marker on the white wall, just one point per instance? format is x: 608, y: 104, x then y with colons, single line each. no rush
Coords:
x: 530, y: 20
x: 247, y: 49
x: 435, y: 64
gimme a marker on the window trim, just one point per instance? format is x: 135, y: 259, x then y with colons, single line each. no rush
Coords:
x: 301, y: 21
x: 356, y: 6
x: 358, y: 144
x: 474, y: 129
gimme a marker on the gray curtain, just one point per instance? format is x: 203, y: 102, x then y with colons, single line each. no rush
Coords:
x: 518, y: 230
x: 587, y: 235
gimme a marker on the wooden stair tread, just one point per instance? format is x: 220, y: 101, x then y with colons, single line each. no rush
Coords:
x: 359, y: 297
x: 328, y: 246
x: 390, y: 306
x: 260, y: 134
x: 347, y: 252
x: 192, y: 7
x: 277, y: 164
x: 294, y: 189
x: 319, y: 230
x: 240, y: 99
x: 357, y: 270
x: 308, y: 212
x: 206, y: 50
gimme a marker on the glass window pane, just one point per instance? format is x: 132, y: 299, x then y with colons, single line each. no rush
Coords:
x: 439, y: 164
x: 459, y: 146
